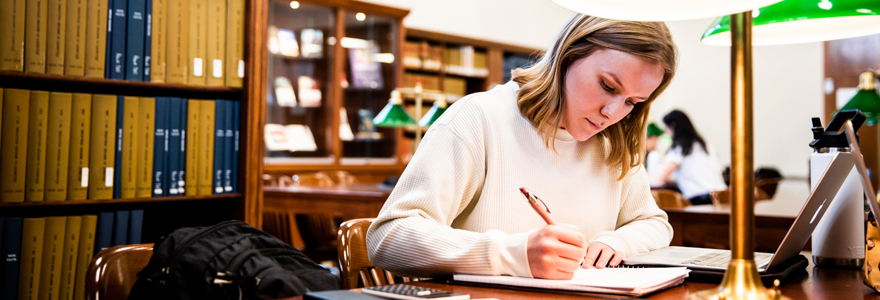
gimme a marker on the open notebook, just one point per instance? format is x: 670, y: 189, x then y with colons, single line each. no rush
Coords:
x: 622, y: 281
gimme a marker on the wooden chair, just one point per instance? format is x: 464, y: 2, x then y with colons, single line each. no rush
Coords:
x: 354, y: 263
x: 113, y: 271
x: 669, y: 198
x: 768, y: 186
x: 723, y: 196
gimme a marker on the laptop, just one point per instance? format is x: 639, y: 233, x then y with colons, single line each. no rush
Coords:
x: 807, y: 219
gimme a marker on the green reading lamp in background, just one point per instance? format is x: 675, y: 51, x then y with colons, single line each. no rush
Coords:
x: 866, y: 99
x: 393, y: 114
x: 435, y: 111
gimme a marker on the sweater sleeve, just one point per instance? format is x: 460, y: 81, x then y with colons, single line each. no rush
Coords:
x: 641, y: 225
x: 412, y: 235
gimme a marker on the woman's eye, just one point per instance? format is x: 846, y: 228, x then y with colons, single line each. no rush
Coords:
x: 605, y: 86
x: 630, y: 103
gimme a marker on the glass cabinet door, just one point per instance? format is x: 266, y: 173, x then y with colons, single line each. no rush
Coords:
x: 299, y: 66
x: 369, y: 77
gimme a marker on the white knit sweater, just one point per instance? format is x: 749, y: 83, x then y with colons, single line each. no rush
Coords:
x: 457, y: 207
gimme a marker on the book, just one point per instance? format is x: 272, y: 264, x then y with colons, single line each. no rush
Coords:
x: 216, y: 42
x: 136, y: 226
x: 622, y: 281
x: 102, y: 156
x: 158, y: 26
x: 229, y: 127
x: 144, y: 152
x: 97, y: 17
x: 35, y: 36
x: 172, y: 150
x: 312, y: 43
x: 219, y: 145
x: 365, y: 71
x: 160, y: 147
x: 10, y: 254
x: 117, y: 147
x: 193, y: 126
x: 80, y: 146
x: 198, y: 43
x: 287, y: 45
x: 234, y: 43
x: 56, y: 23
x: 68, y: 261
x: 35, y: 187
x: 103, y: 232
x: 177, y: 44
x: 135, y: 27
x: 116, y: 40
x: 75, y: 39
x: 84, y: 254
x: 309, y: 92
x: 53, y: 247
x: 236, y: 126
x: 120, y: 227
x: 206, y: 148
x: 148, y: 36
x: 12, y: 15
x: 181, y: 147
x: 13, y: 138
x: 130, y: 146
x: 284, y: 92
x: 32, y: 233
x: 58, y: 145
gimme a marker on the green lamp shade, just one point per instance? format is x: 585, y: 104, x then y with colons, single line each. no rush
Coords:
x: 661, y: 10
x: 802, y: 21
x: 654, y: 130
x: 393, y: 115
x: 866, y: 99
x: 432, y: 115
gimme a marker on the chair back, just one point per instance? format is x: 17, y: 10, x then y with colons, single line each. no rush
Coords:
x: 669, y: 198
x: 354, y: 263
x: 768, y: 186
x: 723, y: 196
x: 113, y: 271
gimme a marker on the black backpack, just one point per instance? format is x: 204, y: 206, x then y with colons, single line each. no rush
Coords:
x: 229, y: 260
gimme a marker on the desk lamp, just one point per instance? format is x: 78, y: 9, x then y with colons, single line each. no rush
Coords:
x: 741, y: 280
x: 866, y: 99
x: 394, y: 115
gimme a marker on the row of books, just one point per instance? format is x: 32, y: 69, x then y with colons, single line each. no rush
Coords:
x: 454, y: 88
x: 71, y: 146
x: 199, y: 42
x: 48, y: 257
x: 458, y: 60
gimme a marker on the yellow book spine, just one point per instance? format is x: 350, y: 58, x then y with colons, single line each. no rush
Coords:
x: 58, y: 145
x: 158, y: 42
x: 145, y: 148
x: 234, y: 43
x: 13, y: 138
x: 193, y: 152
x: 75, y: 40
x: 56, y: 35
x: 198, y: 42
x: 35, y: 186
x: 35, y: 36
x: 32, y: 233
x: 130, y: 146
x: 53, y: 249
x: 206, y: 148
x: 96, y: 37
x: 216, y: 42
x: 68, y: 262
x: 12, y: 16
x: 84, y: 254
x: 177, y: 43
x: 102, y: 153
x: 1, y: 114
x: 80, y: 136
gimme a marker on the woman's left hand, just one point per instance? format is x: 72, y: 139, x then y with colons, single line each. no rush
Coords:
x: 600, y: 255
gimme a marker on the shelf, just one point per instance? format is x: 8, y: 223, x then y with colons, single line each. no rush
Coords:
x: 58, y: 83
x: 69, y: 203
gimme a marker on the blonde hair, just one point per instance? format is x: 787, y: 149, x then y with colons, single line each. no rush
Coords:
x: 541, y: 98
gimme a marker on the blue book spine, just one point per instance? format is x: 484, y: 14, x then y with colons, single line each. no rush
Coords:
x: 236, y: 125
x: 228, y: 152
x: 120, y: 227
x: 219, y: 144
x: 117, y: 43
x: 108, y: 42
x: 104, y: 231
x: 148, y: 40
x: 117, y: 164
x: 159, y: 148
x: 11, y: 254
x: 136, y: 226
x: 181, y: 166
x: 173, y: 164
x: 134, y: 40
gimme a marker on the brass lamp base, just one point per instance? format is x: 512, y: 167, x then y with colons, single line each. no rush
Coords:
x: 741, y: 281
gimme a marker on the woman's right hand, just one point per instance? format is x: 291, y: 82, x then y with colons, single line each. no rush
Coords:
x: 556, y: 251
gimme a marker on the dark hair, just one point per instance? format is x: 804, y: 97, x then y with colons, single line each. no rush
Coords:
x: 683, y: 132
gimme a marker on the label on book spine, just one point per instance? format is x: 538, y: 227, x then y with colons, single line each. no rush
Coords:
x: 85, y: 177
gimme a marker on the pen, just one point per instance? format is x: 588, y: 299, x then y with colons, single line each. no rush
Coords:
x: 544, y: 211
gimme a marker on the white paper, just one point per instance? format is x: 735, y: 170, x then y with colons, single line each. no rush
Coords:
x: 85, y: 177
x: 218, y: 68
x: 197, y: 67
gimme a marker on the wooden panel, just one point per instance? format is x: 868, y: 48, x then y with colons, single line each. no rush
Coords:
x: 59, y: 83
x: 254, y: 112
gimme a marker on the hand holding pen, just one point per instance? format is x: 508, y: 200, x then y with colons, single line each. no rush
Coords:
x: 554, y: 251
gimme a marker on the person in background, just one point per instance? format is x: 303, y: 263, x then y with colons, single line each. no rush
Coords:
x: 654, y: 157
x: 569, y: 128
x: 697, y: 172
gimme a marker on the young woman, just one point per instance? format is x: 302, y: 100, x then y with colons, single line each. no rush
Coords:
x: 697, y: 172
x: 570, y: 129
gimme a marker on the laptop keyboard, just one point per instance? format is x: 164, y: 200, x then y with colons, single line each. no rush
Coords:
x: 722, y: 259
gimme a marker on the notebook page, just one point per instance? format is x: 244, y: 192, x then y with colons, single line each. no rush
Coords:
x: 626, y: 281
